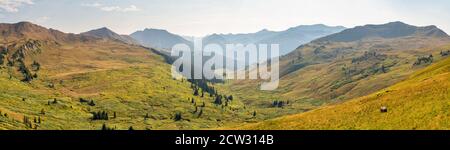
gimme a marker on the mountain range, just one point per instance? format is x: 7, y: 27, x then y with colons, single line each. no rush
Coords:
x: 160, y: 39
x: 288, y: 39
x: 389, y: 30
x: 335, y: 79
x: 327, y: 72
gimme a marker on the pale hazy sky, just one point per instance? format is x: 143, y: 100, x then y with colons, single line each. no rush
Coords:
x: 202, y: 17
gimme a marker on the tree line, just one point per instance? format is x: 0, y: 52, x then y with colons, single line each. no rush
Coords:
x: 423, y: 60
x: 445, y: 53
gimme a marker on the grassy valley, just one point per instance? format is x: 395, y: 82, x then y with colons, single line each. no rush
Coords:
x: 103, y: 80
x: 64, y: 81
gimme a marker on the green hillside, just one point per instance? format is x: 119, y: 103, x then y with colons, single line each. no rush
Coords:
x: 55, y: 80
x: 66, y: 81
x: 420, y: 102
x: 327, y: 73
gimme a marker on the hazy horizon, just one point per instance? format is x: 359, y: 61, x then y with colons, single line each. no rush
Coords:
x: 200, y: 17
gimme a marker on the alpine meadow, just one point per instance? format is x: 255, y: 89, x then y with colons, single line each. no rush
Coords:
x: 110, y: 66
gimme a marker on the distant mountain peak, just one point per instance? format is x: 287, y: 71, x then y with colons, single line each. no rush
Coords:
x: 263, y: 30
x: 20, y: 30
x: 155, y: 30
x: 158, y: 38
x: 101, y: 32
x: 397, y: 22
x: 104, y: 29
x: 316, y: 27
x: 25, y: 26
x: 107, y: 33
x: 25, y: 23
x: 389, y: 30
x: 288, y: 39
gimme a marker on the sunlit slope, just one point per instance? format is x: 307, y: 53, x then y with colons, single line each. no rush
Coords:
x: 338, y: 72
x: 141, y: 97
x: 332, y: 71
x: 420, y: 102
x: 54, y: 80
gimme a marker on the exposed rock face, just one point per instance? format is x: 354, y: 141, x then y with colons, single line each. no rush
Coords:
x: 17, y: 56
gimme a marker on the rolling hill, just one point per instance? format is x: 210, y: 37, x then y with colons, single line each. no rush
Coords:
x: 420, y: 102
x: 28, y: 30
x: 288, y: 39
x: 53, y: 80
x: 328, y: 72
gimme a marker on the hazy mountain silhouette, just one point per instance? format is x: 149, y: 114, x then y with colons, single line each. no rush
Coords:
x: 389, y: 30
x: 157, y: 38
x: 288, y: 39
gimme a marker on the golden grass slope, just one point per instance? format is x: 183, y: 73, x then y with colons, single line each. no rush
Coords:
x: 323, y: 73
x: 420, y: 102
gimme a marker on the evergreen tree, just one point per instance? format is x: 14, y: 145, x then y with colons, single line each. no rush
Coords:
x: 101, y: 115
x: 195, y: 92
x: 146, y: 116
x: 230, y: 97
x: 178, y: 116
x: 218, y: 100
x: 92, y: 103
x: 383, y: 69
x: 200, y: 113
x: 27, y: 122
x: 35, y: 66
x: 195, y: 111
x: 280, y: 104
x: 104, y: 127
